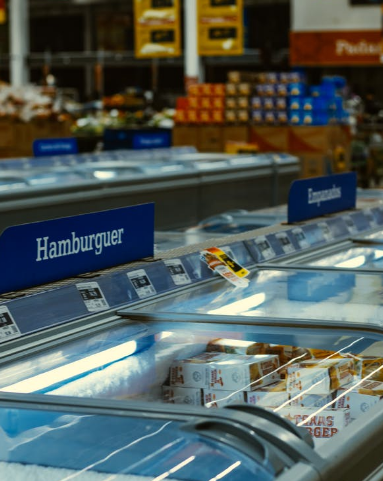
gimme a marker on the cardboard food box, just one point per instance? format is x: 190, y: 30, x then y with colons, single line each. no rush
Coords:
x: 319, y: 377
x: 313, y: 401
x: 182, y: 395
x: 236, y: 346
x: 228, y: 372
x: 231, y: 103
x: 265, y: 398
x: 217, y: 399
x: 355, y: 401
x: 370, y: 366
x: 321, y: 425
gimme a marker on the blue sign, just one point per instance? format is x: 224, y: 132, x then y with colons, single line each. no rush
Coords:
x: 42, y: 252
x: 310, y: 198
x: 151, y: 140
x: 46, y: 147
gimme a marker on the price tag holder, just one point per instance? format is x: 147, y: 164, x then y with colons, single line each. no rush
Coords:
x: 264, y: 248
x: 142, y: 284
x: 218, y: 261
x: 369, y: 214
x: 8, y: 326
x: 92, y: 296
x: 301, y: 238
x: 285, y: 242
x: 352, y: 229
x: 178, y: 272
x: 229, y: 252
x: 326, y: 231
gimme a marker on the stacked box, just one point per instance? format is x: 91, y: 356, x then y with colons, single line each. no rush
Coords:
x: 205, y: 104
x: 360, y: 397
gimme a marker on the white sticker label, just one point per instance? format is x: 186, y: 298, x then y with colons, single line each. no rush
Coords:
x: 350, y: 224
x: 8, y: 326
x: 92, y: 296
x: 370, y: 217
x: 327, y: 234
x: 141, y: 284
x: 285, y: 242
x: 301, y: 238
x: 265, y: 248
x: 178, y: 272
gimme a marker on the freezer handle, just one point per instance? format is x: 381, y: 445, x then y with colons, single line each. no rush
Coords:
x: 240, y: 438
x: 300, y: 432
x: 370, y: 242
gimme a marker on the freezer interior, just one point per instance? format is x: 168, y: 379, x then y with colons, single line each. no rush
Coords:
x: 320, y: 379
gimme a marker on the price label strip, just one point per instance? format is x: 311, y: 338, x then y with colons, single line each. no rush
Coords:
x: 350, y: 224
x: 301, y: 238
x: 228, y: 250
x: 142, y: 284
x: 370, y: 217
x: 285, y: 242
x: 8, y: 326
x: 219, y: 262
x: 178, y: 272
x: 264, y: 247
x: 92, y: 296
x: 327, y: 234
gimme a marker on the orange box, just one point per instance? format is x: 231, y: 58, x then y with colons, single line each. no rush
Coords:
x: 206, y: 90
x: 180, y: 116
x: 219, y: 90
x: 230, y: 116
x: 231, y: 89
x: 204, y: 116
x: 243, y: 115
x: 194, y: 90
x: 218, y: 103
x: 218, y: 116
x: 192, y: 116
x: 244, y: 89
x: 193, y: 102
x: 231, y: 103
x: 182, y: 103
x: 206, y: 103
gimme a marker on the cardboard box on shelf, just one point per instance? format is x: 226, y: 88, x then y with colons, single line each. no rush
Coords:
x: 182, y: 395
x: 233, y: 147
x: 209, y: 139
x: 7, y: 134
x: 313, y: 165
x: 185, y: 135
x: 270, y: 139
x: 236, y: 133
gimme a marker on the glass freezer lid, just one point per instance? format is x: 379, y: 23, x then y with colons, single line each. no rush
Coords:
x: 303, y: 374
x: 352, y: 258
x: 62, y: 444
x: 331, y: 296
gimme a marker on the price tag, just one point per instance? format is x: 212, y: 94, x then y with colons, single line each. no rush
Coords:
x: 301, y: 238
x: 327, y: 234
x: 285, y: 242
x: 350, y: 224
x: 92, y: 296
x: 141, y: 283
x: 8, y: 326
x: 178, y: 272
x: 219, y: 262
x: 370, y: 217
x: 229, y: 252
x: 264, y: 248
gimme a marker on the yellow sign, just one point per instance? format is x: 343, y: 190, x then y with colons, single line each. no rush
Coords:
x: 157, y: 28
x: 3, y: 14
x: 220, y: 27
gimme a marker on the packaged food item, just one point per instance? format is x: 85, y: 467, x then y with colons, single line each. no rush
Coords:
x: 206, y: 103
x: 217, y: 399
x: 182, y: 395
x: 307, y: 103
x: 243, y: 115
x: 217, y: 116
x: 319, y: 377
x: 281, y: 90
x: 355, y: 401
x: 282, y: 117
x: 307, y: 118
x: 322, y: 425
x: 244, y: 89
x: 268, y: 103
x: 287, y: 353
x: 204, y: 116
x: 256, y: 103
x: 374, y: 388
x: 267, y: 397
x: 231, y: 103
x: 229, y: 372
x: 295, y: 117
x: 270, y: 117
x: 257, y: 117
x: 236, y: 346
x: 180, y: 116
x: 206, y: 90
x: 218, y: 90
x: 295, y: 103
x: 370, y: 366
x: 271, y: 77
x: 231, y: 116
x: 194, y: 90
x: 270, y: 90
x: 280, y: 104
x: 243, y: 102
x: 218, y: 103
x: 241, y: 77
x: 284, y: 78
x: 231, y: 89
x: 313, y: 401
x: 192, y: 116
x: 194, y: 103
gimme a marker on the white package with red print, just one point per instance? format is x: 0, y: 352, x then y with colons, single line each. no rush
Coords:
x: 215, y: 398
x: 182, y: 395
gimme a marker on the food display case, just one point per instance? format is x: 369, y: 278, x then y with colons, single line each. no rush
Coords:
x: 298, y: 347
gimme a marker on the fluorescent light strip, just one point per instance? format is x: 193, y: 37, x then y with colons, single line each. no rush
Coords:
x: 73, y: 369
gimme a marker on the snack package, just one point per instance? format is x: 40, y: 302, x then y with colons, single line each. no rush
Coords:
x: 370, y: 366
x: 356, y: 402
x: 287, y: 353
x: 319, y: 377
x: 231, y: 103
x: 321, y: 425
x: 214, y: 398
x: 182, y: 395
x: 229, y: 372
x: 236, y: 346
x: 313, y: 401
x: 265, y: 398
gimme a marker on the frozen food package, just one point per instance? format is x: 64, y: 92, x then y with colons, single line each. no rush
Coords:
x: 223, y: 371
x: 312, y: 400
x: 357, y: 400
x: 217, y: 399
x: 321, y: 423
x: 371, y: 367
x: 265, y: 398
x: 236, y: 346
x: 182, y: 395
x: 319, y: 377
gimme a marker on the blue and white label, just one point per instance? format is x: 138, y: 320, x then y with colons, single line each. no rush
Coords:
x: 8, y: 326
x: 151, y: 140
x: 310, y: 198
x: 326, y: 231
x: 142, y: 284
x: 300, y: 237
x: 285, y: 242
x: 57, y: 249
x: 92, y: 296
x: 264, y: 247
x: 177, y: 272
x: 48, y: 147
x: 350, y: 224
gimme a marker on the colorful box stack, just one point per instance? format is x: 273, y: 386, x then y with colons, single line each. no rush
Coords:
x: 205, y: 104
